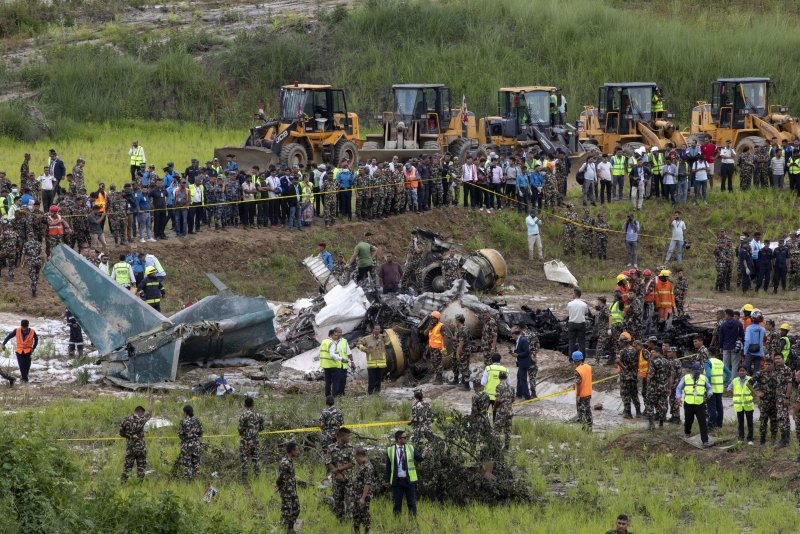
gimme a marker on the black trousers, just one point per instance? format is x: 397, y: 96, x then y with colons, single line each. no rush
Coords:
x: 741, y: 416
x: 330, y: 381
x: 403, y: 488
x: 715, y: 410
x: 374, y: 378
x: 779, y: 277
x: 522, y: 383
x: 690, y: 411
x: 726, y: 172
x: 160, y: 223
x: 468, y: 199
x: 576, y: 333
x: 363, y: 272
x: 24, y: 361
x: 341, y: 381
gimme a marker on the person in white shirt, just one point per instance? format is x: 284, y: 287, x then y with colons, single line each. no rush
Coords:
x: 700, y: 172
x: 47, y: 183
x: 589, y: 170
x: 534, y: 235
x: 496, y: 185
x: 669, y: 179
x: 727, y: 157
x: 469, y: 175
x: 576, y: 323
x: 676, y: 243
x: 604, y: 177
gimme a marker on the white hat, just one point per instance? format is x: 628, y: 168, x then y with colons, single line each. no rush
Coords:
x: 492, y: 155
x: 641, y: 150
x: 654, y: 149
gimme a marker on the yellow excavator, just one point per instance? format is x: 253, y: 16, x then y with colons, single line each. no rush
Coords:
x: 313, y: 126
x: 632, y: 114
x: 740, y: 110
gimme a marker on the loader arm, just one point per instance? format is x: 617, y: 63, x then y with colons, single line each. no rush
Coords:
x: 767, y: 130
x: 649, y: 136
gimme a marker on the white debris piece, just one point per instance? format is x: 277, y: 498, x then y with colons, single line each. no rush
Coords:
x: 157, y: 422
x: 345, y: 307
x: 556, y: 271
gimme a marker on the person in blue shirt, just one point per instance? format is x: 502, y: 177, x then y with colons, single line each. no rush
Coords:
x: 142, y: 200
x: 523, y: 188
x: 345, y: 180
x: 537, y: 183
x: 133, y: 260
x: 754, y: 343
x: 27, y: 198
x: 169, y: 175
x: 232, y: 165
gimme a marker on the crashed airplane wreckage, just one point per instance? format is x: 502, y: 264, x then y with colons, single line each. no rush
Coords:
x: 139, y: 344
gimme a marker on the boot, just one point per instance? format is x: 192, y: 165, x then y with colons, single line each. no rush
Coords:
x: 11, y: 381
x: 650, y: 425
x: 638, y: 411
x: 660, y: 423
x: 627, y: 414
x: 784, y: 442
x: 465, y: 384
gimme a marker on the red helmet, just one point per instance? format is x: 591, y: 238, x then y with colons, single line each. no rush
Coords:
x: 647, y: 272
x: 53, y: 208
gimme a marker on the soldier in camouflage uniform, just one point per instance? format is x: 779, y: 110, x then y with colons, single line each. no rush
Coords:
x: 413, y: 259
x: 784, y: 380
x: 328, y: 190
x: 190, y: 432
x: 561, y: 176
x: 451, y: 269
x: 77, y: 175
x: 437, y: 191
x: 215, y: 198
x: 341, y: 271
x: 550, y: 190
x: 24, y: 169
x: 399, y: 190
x: 132, y: 429
x: 231, y: 197
x: 723, y: 261
x: 378, y: 192
x: 534, y: 345
x: 747, y: 168
x: 361, y: 491
x: 702, y: 354
x: 460, y: 358
x: 761, y: 176
x: 38, y: 222
x: 478, y: 418
x: 633, y: 316
x: 601, y: 321
x: 363, y: 193
x: 339, y: 460
x: 503, y: 410
x: 32, y: 254
x: 286, y: 484
x: 8, y: 249
x: 421, y: 421
x: 330, y: 420
x: 773, y: 338
x: 601, y: 232
x: 570, y: 230
x: 658, y: 386
x: 455, y: 181
x: 794, y: 263
x: 21, y: 224
x: 675, y: 375
x: 117, y: 215
x: 250, y: 424
x: 587, y: 234
x: 488, y: 337
x: 765, y: 384
x: 80, y: 225
x: 679, y: 290
x: 628, y: 361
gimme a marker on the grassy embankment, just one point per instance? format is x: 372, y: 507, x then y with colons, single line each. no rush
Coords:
x: 580, y: 482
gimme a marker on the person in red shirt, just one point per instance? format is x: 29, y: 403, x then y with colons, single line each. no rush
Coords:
x: 707, y: 150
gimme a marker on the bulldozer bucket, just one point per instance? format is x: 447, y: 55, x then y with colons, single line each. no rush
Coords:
x: 248, y: 156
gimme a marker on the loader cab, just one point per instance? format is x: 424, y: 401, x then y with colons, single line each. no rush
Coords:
x: 732, y: 99
x: 621, y: 105
x: 319, y: 108
x: 520, y: 107
x: 427, y: 103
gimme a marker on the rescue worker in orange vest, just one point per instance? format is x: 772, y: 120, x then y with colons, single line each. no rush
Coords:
x: 583, y: 390
x: 55, y: 230
x: 623, y: 286
x: 26, y: 341
x: 649, y: 296
x: 435, y: 346
x: 643, y: 360
x: 665, y: 298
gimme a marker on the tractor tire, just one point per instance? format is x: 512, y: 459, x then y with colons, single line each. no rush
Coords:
x: 459, y: 148
x: 752, y: 141
x: 485, y: 150
x: 370, y: 145
x: 345, y: 149
x: 629, y: 149
x: 294, y: 154
x: 431, y: 145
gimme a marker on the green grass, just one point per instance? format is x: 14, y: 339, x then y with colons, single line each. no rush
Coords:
x: 580, y: 482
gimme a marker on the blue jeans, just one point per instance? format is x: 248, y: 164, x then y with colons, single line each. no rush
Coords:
x: 700, y: 189
x: 182, y: 220
x: 632, y: 248
x: 144, y: 225
x: 752, y: 363
x: 674, y: 246
x: 682, y: 192
x: 294, y: 217
x: 617, y: 186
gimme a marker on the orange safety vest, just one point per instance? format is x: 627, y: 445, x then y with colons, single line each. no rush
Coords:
x: 101, y: 201
x: 650, y: 295
x: 747, y: 321
x: 644, y: 364
x: 411, y: 178
x: 25, y: 345
x: 55, y: 226
x: 664, y: 295
x: 584, y: 389
x: 435, y: 340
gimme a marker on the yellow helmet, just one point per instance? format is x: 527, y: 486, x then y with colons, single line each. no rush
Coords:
x: 149, y: 270
x: 664, y: 272
x: 747, y: 307
x: 620, y: 277
x: 785, y: 326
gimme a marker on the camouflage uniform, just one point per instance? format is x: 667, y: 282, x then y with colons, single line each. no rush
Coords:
x: 702, y: 356
x: 411, y: 266
x: 674, y: 368
x: 328, y: 189
x: 32, y: 252
x: 80, y: 227
x: 437, y: 191
x: 250, y: 424
x: 533, y: 370
x: 190, y: 432
x: 330, y: 420
x: 455, y: 183
x: 362, y: 194
x: 39, y: 225
x: 746, y: 170
x: 629, y: 379
x: 364, y: 475
x: 132, y: 429
x: 399, y: 191
x: 341, y: 272
x: 451, y: 271
x: 461, y: 366
x: 77, y: 174
x: 603, y: 347
x: 657, y: 385
x: 761, y: 176
x: 215, y: 209
x: 8, y: 249
x: 783, y: 377
x: 723, y: 280
x: 773, y: 343
x: 561, y: 179
x: 421, y: 423
x: 287, y: 488
x: 24, y: 171
x: 339, y: 455
x: 570, y: 231
x: 550, y: 190
x: 633, y: 320
x: 489, y: 332
x: 602, y: 239
x: 679, y: 290
x: 117, y: 216
x: 231, y: 197
x: 503, y: 405
x: 587, y: 234
x: 766, y: 382
x: 378, y: 194
x: 794, y: 264
x: 479, y: 424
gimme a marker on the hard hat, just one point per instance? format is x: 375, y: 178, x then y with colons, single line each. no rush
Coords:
x: 149, y: 270
x: 577, y: 356
x: 436, y: 314
x: 626, y: 336
x: 631, y: 272
x: 653, y: 149
x: 647, y: 272
x: 785, y: 326
x: 53, y: 208
x: 756, y: 314
x: 664, y: 272
x: 620, y: 277
x: 747, y: 307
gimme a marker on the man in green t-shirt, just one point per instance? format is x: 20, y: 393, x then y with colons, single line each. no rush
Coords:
x: 365, y: 254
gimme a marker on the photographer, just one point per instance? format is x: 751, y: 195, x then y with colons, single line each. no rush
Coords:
x: 676, y: 244
x: 632, y: 229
